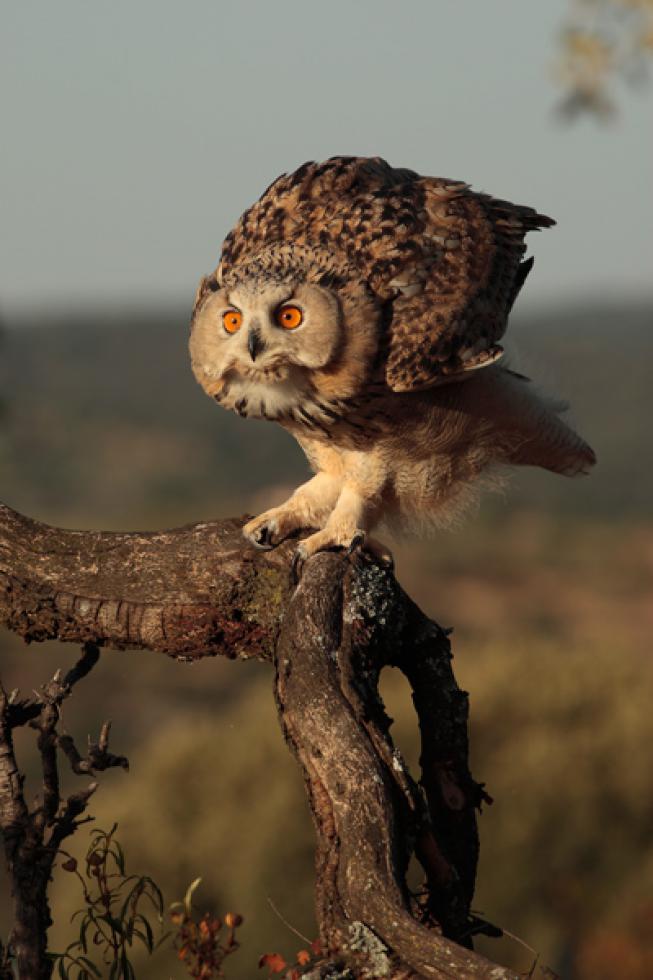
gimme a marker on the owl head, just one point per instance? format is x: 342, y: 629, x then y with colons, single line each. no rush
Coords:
x: 284, y: 336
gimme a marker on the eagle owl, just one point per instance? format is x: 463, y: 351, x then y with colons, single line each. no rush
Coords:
x: 361, y: 307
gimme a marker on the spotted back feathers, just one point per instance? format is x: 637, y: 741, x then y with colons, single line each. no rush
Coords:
x: 446, y: 261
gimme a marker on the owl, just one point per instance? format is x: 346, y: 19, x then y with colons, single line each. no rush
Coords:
x: 361, y: 307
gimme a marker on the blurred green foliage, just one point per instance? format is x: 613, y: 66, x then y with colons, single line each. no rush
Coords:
x: 548, y: 587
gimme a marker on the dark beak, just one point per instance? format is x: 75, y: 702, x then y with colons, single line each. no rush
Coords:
x: 255, y: 343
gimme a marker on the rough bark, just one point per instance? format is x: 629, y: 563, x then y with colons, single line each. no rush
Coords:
x: 191, y: 592
x: 199, y: 591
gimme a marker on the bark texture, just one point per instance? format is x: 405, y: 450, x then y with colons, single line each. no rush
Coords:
x: 191, y: 592
x: 199, y: 591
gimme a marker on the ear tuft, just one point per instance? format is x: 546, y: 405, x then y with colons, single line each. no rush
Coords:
x: 208, y: 284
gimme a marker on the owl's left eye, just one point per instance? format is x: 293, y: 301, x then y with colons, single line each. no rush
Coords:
x: 289, y: 317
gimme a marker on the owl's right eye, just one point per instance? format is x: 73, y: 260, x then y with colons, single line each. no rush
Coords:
x: 232, y: 320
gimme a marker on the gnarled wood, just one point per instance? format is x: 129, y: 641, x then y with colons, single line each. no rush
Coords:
x: 199, y: 591
x: 365, y: 805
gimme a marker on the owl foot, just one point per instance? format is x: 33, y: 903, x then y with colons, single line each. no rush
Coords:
x: 262, y: 536
x: 268, y: 530
x: 358, y: 544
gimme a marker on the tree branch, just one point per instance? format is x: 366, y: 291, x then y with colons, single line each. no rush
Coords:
x: 192, y: 592
x: 200, y: 591
x: 343, y: 622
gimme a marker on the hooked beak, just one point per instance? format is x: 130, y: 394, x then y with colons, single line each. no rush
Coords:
x: 255, y: 343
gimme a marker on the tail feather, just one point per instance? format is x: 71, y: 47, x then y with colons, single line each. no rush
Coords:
x: 555, y: 447
x: 537, y: 436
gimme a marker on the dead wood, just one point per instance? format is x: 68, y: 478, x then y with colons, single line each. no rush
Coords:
x: 201, y: 591
x: 32, y: 836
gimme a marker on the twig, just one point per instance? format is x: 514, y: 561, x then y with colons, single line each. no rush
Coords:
x: 286, y: 923
x: 32, y: 838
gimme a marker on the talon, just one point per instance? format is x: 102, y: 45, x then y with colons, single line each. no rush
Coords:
x: 356, y: 542
x: 261, y: 537
x: 297, y: 565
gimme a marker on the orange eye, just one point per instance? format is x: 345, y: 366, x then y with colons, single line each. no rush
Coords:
x: 232, y: 320
x: 289, y: 317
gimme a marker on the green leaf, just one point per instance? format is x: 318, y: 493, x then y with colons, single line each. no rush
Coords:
x: 135, y: 887
x: 154, y: 892
x: 119, y: 856
x: 131, y: 878
x: 82, y: 935
x: 127, y: 968
x: 115, y: 924
x: 91, y: 967
x: 149, y: 941
x: 162, y: 939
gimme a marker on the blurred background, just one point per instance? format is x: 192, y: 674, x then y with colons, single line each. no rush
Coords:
x: 135, y: 133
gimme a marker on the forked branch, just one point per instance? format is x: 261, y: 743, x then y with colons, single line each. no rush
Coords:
x: 199, y: 591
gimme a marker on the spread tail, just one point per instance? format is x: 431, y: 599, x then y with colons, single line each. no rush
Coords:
x: 537, y: 436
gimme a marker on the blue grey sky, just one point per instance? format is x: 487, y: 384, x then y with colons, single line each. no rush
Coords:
x: 136, y: 131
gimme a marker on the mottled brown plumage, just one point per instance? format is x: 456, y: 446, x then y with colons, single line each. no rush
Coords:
x: 446, y: 260
x: 403, y: 285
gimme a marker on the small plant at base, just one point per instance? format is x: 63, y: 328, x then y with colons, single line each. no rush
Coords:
x: 113, y: 919
x: 199, y: 943
x: 306, y: 960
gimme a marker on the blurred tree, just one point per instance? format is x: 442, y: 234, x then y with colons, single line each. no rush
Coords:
x: 602, y: 40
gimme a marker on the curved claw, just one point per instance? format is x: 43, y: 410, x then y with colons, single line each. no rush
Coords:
x: 358, y: 545
x: 297, y: 564
x: 357, y: 541
x: 262, y: 537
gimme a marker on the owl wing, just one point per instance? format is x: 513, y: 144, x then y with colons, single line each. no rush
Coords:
x: 446, y: 261
x: 452, y: 301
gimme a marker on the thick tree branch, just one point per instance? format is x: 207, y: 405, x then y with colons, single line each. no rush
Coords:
x: 200, y: 591
x: 192, y: 592
x: 365, y: 806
